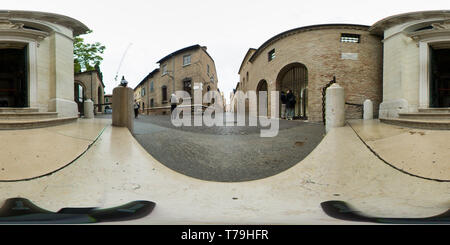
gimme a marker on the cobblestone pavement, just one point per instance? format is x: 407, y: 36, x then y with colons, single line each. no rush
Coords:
x: 226, y: 154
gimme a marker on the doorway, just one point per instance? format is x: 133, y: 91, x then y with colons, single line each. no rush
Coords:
x: 13, y: 77
x: 440, y: 78
x: 79, y: 97
x: 262, y: 87
x: 99, y: 99
x: 294, y: 77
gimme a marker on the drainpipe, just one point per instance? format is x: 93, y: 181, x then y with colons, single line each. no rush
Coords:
x: 173, y: 74
x: 92, y: 97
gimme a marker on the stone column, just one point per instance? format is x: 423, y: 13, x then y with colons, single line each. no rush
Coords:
x: 368, y: 110
x: 334, y: 107
x: 88, y: 108
x: 123, y: 113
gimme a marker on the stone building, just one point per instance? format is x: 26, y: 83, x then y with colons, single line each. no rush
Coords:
x: 304, y: 60
x: 181, y: 70
x: 89, y: 85
x: 108, y: 101
x: 416, y: 75
x: 36, y: 61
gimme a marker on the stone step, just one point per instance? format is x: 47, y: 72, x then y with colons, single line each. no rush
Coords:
x: 27, y: 115
x: 435, y: 110
x: 17, y: 110
x: 431, y: 124
x: 34, y: 123
x: 426, y: 115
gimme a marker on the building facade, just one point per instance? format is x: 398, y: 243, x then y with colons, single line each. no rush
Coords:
x: 36, y: 61
x: 416, y: 62
x: 306, y: 59
x: 187, y: 69
x: 89, y: 85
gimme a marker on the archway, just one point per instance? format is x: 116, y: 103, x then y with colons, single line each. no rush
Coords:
x: 294, y: 77
x: 262, y: 87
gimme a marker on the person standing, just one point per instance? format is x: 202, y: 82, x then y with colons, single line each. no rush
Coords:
x: 290, y: 106
x: 283, y: 104
x: 136, y: 109
x: 173, y: 103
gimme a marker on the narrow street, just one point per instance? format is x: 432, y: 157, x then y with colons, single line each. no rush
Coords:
x: 226, y: 154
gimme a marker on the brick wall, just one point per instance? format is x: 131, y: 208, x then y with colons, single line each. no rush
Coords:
x: 320, y: 50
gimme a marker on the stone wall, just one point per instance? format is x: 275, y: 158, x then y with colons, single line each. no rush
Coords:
x: 357, y: 66
x: 196, y: 71
x: 91, y: 91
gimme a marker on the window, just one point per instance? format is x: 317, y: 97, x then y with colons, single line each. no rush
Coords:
x: 247, y: 76
x: 186, y: 60
x: 271, y: 55
x: 164, y: 69
x: 207, y: 69
x: 152, y: 88
x: 142, y: 92
x: 152, y: 103
x: 350, y: 38
x: 164, y: 94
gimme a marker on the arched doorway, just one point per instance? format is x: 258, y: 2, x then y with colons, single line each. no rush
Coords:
x: 294, y: 77
x: 262, y: 87
x: 79, y: 97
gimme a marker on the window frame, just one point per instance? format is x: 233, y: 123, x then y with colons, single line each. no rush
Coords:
x: 350, y: 38
x: 190, y: 59
x: 164, y: 69
x: 271, y: 55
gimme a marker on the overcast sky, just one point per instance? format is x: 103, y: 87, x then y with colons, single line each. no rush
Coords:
x: 228, y: 28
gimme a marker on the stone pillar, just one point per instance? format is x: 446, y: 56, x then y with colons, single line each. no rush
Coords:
x: 334, y: 107
x: 368, y: 110
x: 123, y: 113
x: 88, y: 108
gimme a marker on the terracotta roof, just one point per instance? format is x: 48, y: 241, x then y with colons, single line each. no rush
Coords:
x: 193, y: 47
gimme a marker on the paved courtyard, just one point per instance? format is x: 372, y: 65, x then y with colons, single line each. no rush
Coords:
x: 226, y: 154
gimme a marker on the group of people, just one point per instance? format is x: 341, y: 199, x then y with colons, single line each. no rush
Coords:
x: 288, y: 102
x: 173, y: 105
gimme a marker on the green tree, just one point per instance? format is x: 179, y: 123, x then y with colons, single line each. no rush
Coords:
x: 87, y: 56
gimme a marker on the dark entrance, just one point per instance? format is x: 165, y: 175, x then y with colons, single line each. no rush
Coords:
x: 13, y: 77
x: 187, y: 86
x: 294, y: 77
x: 440, y: 78
x: 79, y: 97
x: 99, y: 99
